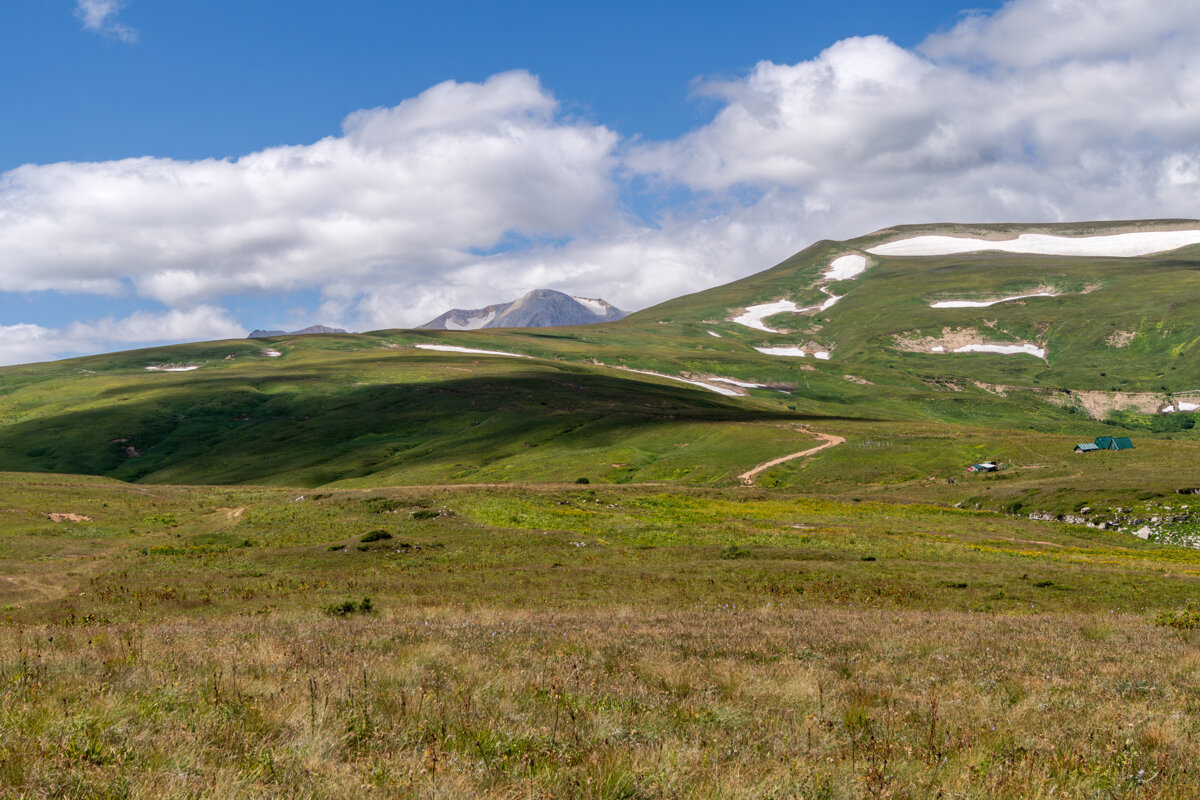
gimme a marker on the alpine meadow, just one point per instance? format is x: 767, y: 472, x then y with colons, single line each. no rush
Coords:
x: 821, y: 532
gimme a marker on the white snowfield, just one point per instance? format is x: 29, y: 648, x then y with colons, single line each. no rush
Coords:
x: 794, y: 352
x: 272, y: 353
x: 170, y: 369
x: 843, y: 268
x: 701, y: 384
x: 1181, y: 406
x: 840, y: 269
x: 449, y: 348
x: 594, y: 306
x: 742, y: 384
x: 986, y: 303
x: 1120, y: 245
x: 1005, y: 349
x: 714, y: 333
x: 471, y: 324
x: 754, y: 315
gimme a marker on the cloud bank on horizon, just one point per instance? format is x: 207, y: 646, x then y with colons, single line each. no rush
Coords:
x: 472, y: 193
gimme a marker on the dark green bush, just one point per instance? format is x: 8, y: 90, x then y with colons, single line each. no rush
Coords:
x: 349, y: 607
x: 376, y: 536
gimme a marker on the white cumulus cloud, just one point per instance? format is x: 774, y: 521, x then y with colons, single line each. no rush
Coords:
x: 406, y: 192
x: 472, y: 193
x: 23, y: 342
x: 100, y: 16
x: 1043, y: 110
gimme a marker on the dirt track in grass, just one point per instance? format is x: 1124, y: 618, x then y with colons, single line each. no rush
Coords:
x: 830, y: 440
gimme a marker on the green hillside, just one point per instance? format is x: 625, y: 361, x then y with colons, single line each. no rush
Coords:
x: 1118, y: 339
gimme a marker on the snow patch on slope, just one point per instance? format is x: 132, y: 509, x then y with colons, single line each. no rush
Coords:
x: 597, y: 307
x: 845, y: 268
x: 1120, y: 245
x: 986, y: 303
x: 743, y: 384
x: 794, y: 351
x: 754, y: 315
x: 449, y: 348
x: 1004, y: 349
x: 701, y: 384
x: 833, y: 298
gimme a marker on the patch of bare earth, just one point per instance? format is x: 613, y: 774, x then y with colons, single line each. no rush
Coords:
x: 65, y: 516
x: 950, y: 339
x: 1120, y: 338
x: 1098, y: 404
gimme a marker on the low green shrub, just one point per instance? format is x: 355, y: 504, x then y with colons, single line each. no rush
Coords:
x: 349, y: 607
x: 1183, y: 619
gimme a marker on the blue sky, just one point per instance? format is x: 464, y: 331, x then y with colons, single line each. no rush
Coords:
x: 198, y: 168
x: 222, y: 78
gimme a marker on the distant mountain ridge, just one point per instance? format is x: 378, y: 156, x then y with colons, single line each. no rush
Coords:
x: 261, y: 334
x: 541, y: 308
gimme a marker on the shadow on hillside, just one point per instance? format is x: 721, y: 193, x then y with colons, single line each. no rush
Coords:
x: 311, y: 428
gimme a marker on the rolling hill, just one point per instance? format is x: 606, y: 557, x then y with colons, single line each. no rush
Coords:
x: 943, y: 344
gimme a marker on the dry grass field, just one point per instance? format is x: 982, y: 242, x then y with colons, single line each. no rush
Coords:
x: 582, y: 642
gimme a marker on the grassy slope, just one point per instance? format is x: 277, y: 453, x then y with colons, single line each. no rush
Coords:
x: 317, y: 415
x: 370, y: 410
x: 580, y: 642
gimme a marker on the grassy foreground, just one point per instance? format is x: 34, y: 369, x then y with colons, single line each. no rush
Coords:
x: 574, y: 641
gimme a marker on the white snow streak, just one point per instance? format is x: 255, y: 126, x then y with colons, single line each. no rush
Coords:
x: 1121, y: 245
x: 1005, y: 349
x: 844, y: 268
x: 754, y: 315
x: 833, y: 298
x: 986, y: 303
x: 794, y: 351
x: 449, y: 348
x: 702, y: 385
x: 742, y: 384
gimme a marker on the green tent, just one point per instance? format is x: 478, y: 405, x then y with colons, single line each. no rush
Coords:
x: 1114, y: 443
